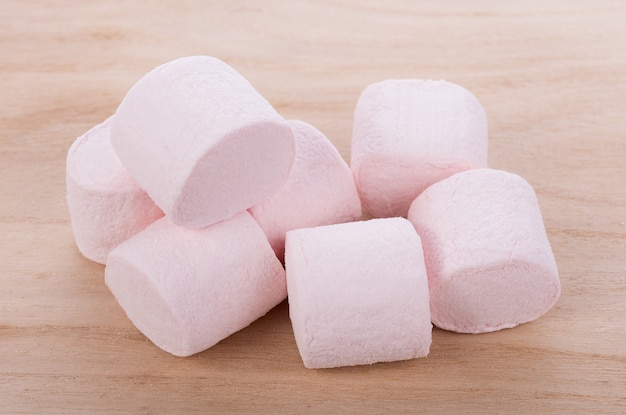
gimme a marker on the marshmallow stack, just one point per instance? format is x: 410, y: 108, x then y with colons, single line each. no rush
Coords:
x: 196, y: 138
x: 240, y: 187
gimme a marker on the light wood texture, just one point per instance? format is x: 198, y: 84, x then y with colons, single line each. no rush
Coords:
x: 552, y: 78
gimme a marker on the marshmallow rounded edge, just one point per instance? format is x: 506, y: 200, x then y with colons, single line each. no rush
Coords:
x: 490, y: 264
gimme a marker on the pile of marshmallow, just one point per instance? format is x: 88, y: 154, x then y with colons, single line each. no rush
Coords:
x: 196, y: 191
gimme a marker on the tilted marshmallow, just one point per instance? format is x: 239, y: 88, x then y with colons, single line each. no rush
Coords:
x: 106, y: 205
x: 490, y: 264
x: 320, y: 190
x: 409, y: 134
x: 358, y: 293
x: 188, y: 289
x: 201, y: 141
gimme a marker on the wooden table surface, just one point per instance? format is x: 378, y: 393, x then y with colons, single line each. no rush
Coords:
x: 552, y: 79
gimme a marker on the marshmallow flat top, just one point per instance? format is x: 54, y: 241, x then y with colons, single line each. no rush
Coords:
x: 409, y: 134
x: 490, y: 264
x: 188, y: 289
x: 201, y: 141
x: 106, y: 204
x: 358, y: 293
x: 320, y: 190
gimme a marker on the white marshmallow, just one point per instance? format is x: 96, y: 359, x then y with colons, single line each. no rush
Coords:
x: 188, y: 289
x: 489, y: 261
x: 407, y: 135
x: 358, y: 293
x: 201, y: 141
x: 320, y: 190
x: 106, y: 205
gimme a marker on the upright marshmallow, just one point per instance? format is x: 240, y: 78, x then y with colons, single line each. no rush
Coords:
x: 188, y: 289
x: 320, y: 190
x: 358, y: 293
x: 489, y: 262
x: 409, y: 134
x: 201, y: 141
x: 106, y: 205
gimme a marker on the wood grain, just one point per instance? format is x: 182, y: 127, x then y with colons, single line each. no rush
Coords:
x: 552, y: 78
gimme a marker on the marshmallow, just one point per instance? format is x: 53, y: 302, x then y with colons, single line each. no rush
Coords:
x: 201, y: 141
x: 409, y: 134
x: 358, y: 293
x: 188, y: 289
x: 106, y: 205
x: 320, y: 190
x: 489, y: 262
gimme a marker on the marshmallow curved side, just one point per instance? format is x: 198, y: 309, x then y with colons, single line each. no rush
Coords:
x: 202, y: 142
x: 188, y: 289
x: 358, y: 293
x: 490, y: 264
x: 409, y: 134
x: 320, y: 190
x: 106, y: 205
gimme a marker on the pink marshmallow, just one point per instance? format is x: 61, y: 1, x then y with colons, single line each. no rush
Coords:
x: 409, y: 134
x: 201, y: 141
x: 358, y: 293
x: 188, y: 289
x: 489, y: 262
x: 320, y: 190
x: 106, y: 205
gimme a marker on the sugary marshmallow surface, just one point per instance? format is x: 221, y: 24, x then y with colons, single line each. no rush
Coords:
x: 490, y: 265
x: 106, y: 205
x: 201, y: 141
x: 188, y: 289
x: 409, y: 134
x: 320, y: 190
x: 358, y: 293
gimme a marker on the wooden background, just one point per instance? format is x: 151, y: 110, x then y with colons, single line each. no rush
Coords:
x: 552, y: 78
